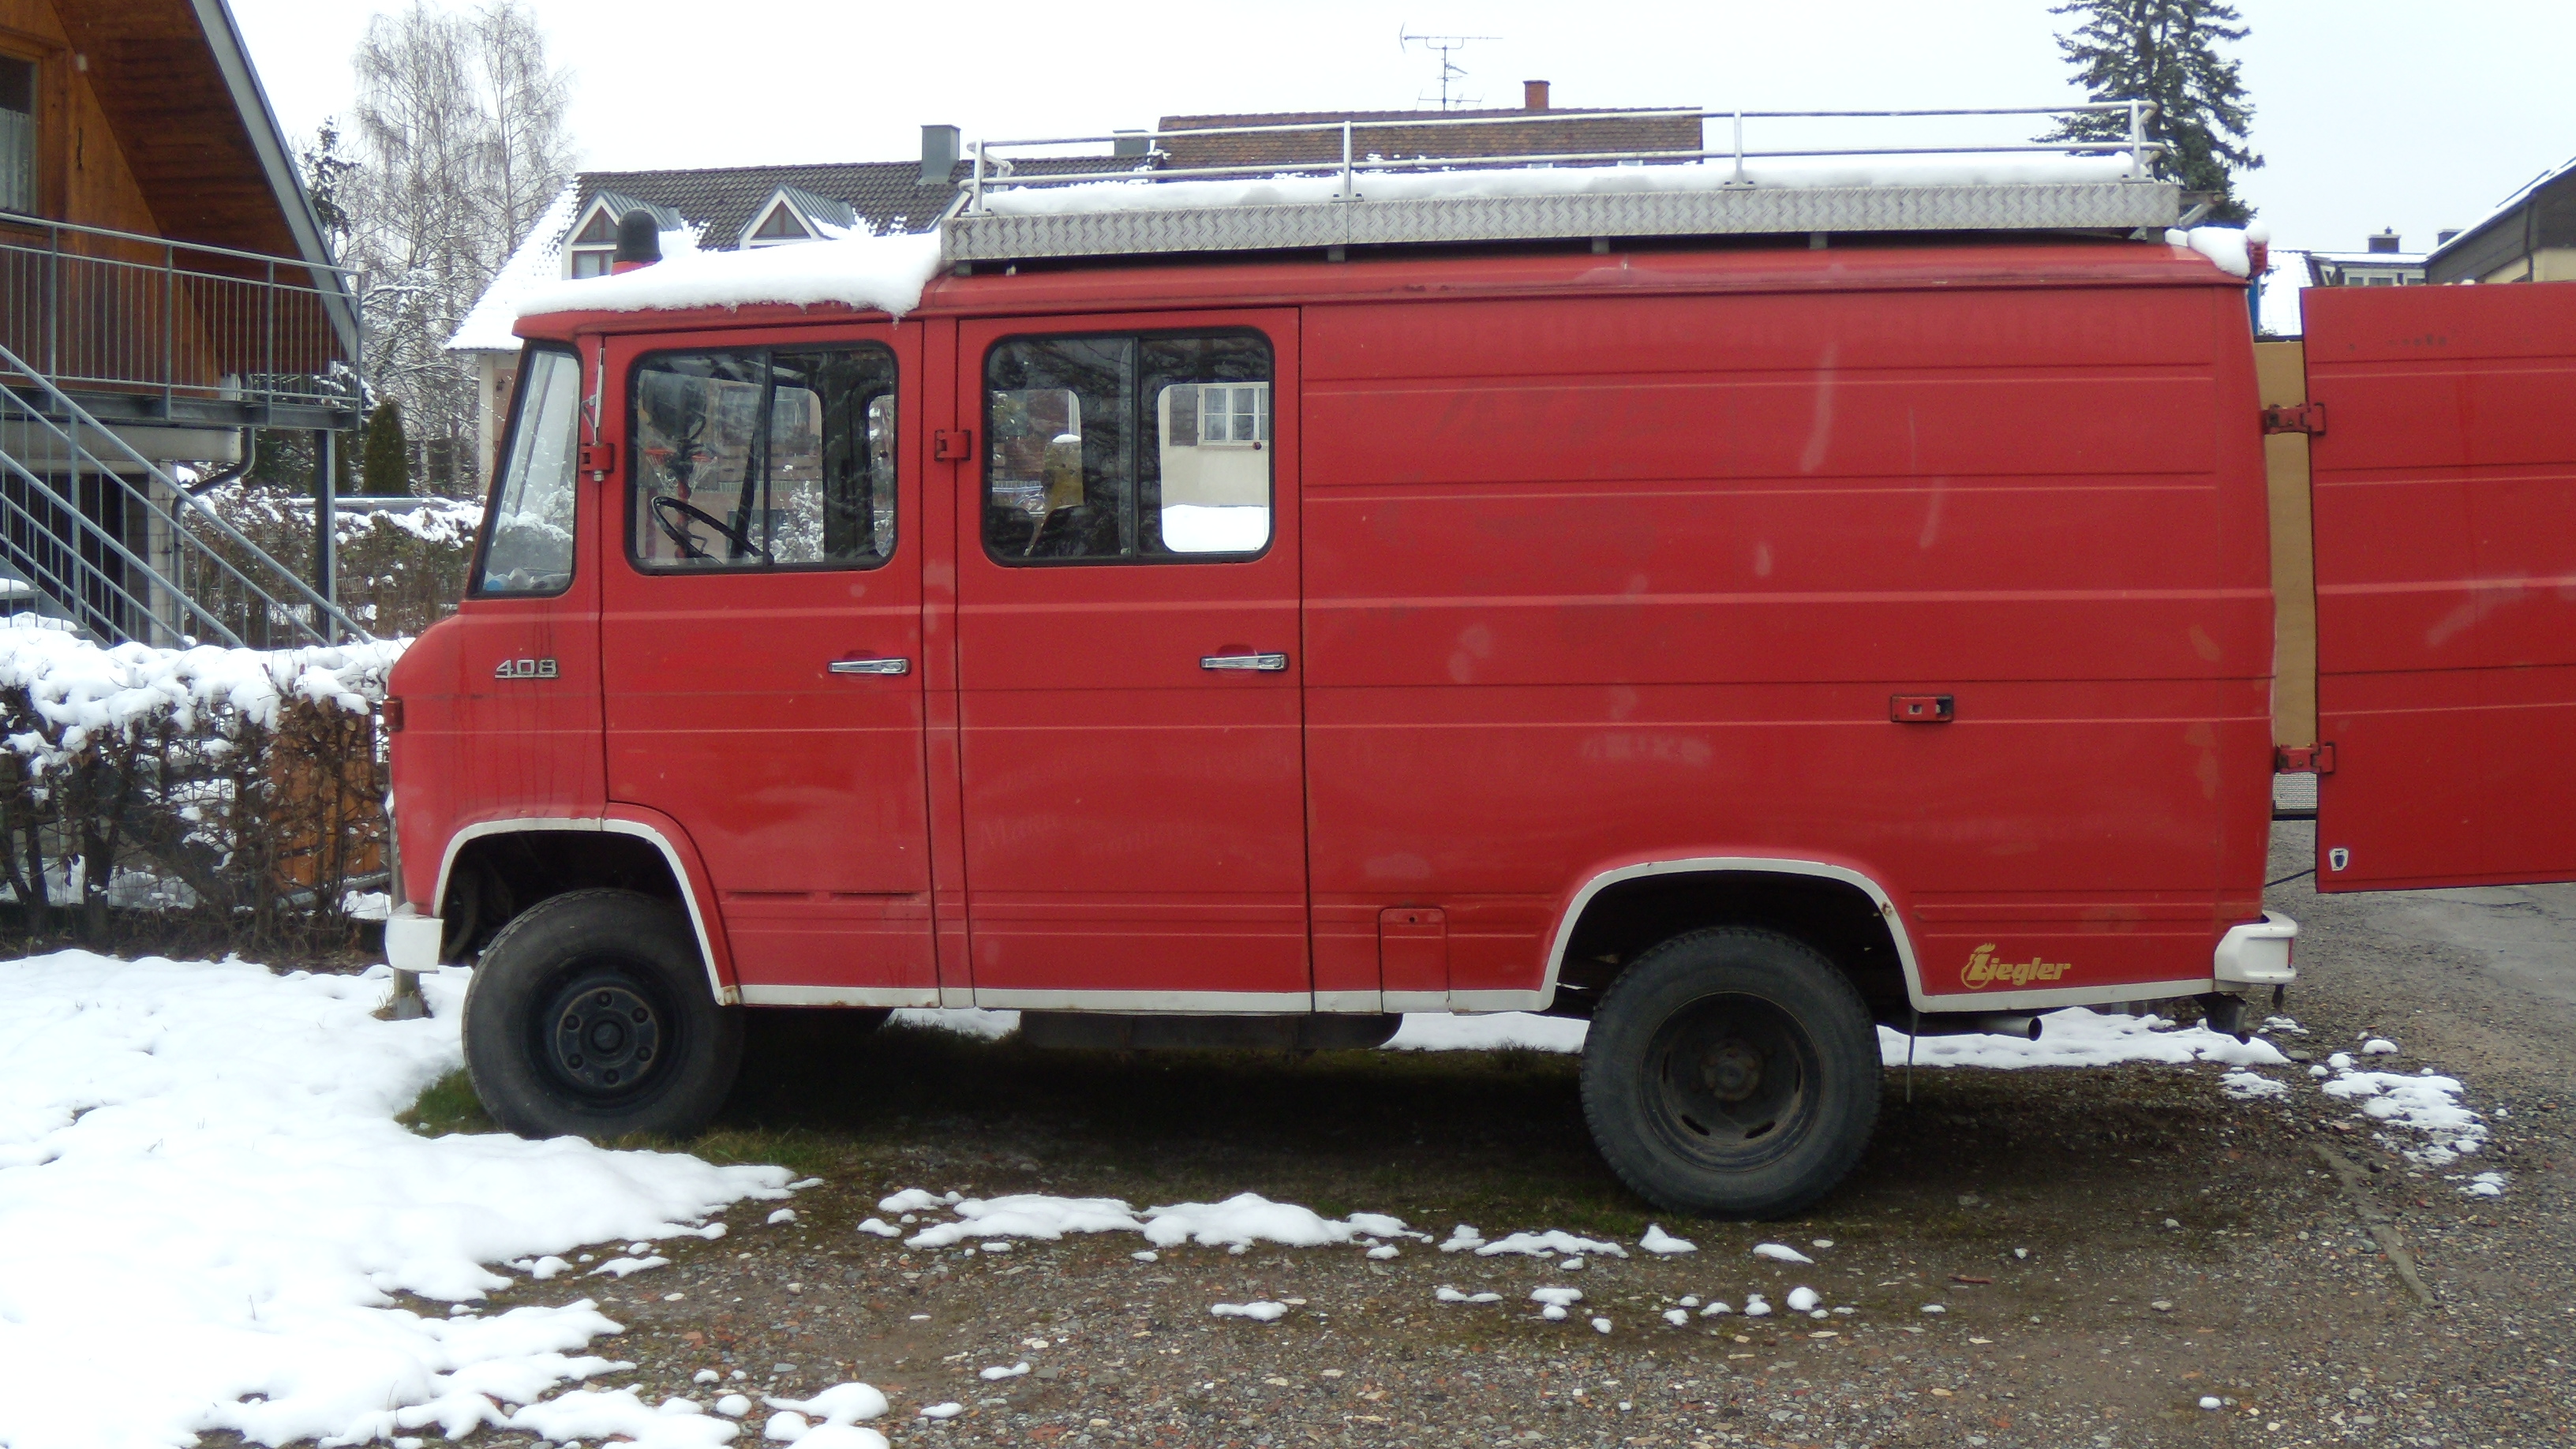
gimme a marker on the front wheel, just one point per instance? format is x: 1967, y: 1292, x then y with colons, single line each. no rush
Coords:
x: 590, y: 1015
x: 1731, y: 1072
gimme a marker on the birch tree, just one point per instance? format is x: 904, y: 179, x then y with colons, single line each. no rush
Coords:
x: 462, y: 140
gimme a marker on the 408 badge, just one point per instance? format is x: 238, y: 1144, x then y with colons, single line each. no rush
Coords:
x: 1983, y: 970
x: 524, y: 669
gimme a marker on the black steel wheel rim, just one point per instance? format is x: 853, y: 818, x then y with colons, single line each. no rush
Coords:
x: 1731, y: 1082
x: 606, y: 1035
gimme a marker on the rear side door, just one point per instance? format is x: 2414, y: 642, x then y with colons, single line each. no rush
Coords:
x: 2445, y: 517
x: 761, y: 640
x: 1128, y: 664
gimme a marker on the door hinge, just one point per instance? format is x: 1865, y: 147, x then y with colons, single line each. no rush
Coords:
x: 2308, y: 418
x: 599, y: 458
x: 952, y: 445
x: 2303, y: 760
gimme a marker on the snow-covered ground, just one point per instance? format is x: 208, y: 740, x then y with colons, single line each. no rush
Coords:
x: 209, y: 1218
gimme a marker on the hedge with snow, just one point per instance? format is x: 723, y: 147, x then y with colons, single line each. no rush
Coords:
x: 239, y: 786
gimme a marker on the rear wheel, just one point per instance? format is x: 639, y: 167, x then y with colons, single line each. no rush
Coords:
x: 1732, y: 1072
x: 590, y: 1014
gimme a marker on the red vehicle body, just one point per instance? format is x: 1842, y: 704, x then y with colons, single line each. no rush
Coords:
x: 1909, y: 607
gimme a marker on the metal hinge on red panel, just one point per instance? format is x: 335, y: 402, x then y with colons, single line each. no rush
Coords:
x: 952, y: 445
x: 600, y: 458
x: 2308, y: 418
x: 2303, y: 760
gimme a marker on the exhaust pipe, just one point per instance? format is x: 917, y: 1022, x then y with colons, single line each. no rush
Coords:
x: 2021, y: 1024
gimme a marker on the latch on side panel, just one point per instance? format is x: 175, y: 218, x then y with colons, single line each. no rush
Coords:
x: 952, y: 445
x: 2308, y: 418
x: 1922, y: 708
x: 2303, y: 760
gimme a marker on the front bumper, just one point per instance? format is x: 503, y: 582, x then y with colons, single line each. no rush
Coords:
x: 2257, y: 953
x: 412, y: 939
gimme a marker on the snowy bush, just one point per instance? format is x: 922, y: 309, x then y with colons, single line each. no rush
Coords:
x: 399, y: 572
x: 242, y: 787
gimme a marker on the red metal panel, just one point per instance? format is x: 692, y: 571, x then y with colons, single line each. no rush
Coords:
x: 1592, y: 582
x: 1133, y: 821
x: 2445, y: 506
x: 804, y: 790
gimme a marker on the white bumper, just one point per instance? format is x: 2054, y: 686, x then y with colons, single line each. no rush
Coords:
x: 411, y: 939
x: 2258, y: 953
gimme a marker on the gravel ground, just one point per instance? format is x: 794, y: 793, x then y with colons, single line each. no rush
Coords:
x: 2111, y: 1248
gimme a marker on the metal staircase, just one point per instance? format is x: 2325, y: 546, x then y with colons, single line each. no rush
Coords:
x: 198, y: 579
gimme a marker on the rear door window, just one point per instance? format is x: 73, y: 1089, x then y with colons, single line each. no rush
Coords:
x: 759, y: 459
x: 1128, y: 449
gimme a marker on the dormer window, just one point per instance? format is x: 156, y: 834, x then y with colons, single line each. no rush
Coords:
x: 593, y: 248
x: 780, y: 226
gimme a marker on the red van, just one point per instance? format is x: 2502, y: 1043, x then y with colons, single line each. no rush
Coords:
x: 1741, y: 646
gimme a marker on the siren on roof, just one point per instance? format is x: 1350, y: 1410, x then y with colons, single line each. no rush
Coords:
x: 639, y: 241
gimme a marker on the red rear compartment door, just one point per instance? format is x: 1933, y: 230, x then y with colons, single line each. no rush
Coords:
x: 2445, y: 506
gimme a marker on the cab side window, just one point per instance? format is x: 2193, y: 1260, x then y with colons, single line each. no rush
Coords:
x: 528, y: 543
x: 1127, y: 449
x: 761, y: 459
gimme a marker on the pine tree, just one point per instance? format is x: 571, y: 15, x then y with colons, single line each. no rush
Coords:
x: 2166, y: 51
x: 386, y: 473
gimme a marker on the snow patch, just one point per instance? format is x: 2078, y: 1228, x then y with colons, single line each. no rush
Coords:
x: 200, y: 1172
x: 1780, y: 1253
x: 2078, y: 1037
x: 1657, y: 1240
x: 1259, y: 1310
x: 867, y: 273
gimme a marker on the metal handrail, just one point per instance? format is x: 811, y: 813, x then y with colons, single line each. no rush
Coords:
x: 133, y: 315
x: 324, y: 609
x: 34, y: 223
x: 2136, y: 144
x: 70, y: 593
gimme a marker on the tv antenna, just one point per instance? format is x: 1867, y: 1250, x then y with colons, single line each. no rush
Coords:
x: 1448, y: 47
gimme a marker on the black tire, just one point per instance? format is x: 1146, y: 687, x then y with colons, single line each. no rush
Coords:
x: 1731, y: 1072
x: 590, y: 1015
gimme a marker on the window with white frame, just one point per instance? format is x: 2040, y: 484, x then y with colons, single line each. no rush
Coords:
x: 592, y: 252
x: 780, y: 227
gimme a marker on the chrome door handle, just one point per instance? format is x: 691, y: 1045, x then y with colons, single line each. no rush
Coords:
x: 1263, y: 663
x: 870, y: 666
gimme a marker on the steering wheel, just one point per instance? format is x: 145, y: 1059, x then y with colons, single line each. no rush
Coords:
x: 664, y: 505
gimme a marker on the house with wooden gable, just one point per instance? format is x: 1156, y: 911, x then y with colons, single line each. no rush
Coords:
x: 164, y: 286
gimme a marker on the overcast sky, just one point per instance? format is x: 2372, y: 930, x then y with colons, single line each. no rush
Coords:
x: 2371, y: 113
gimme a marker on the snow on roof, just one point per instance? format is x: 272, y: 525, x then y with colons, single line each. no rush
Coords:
x: 1291, y: 188
x: 872, y: 273
x: 2224, y: 245
x: 538, y: 259
x: 2372, y: 259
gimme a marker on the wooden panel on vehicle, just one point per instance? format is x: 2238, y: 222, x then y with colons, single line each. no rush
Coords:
x: 2281, y: 372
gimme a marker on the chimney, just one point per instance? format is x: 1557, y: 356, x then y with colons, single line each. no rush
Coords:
x: 939, y: 152
x: 2386, y: 241
x: 2443, y: 238
x: 1130, y: 143
x: 1533, y: 95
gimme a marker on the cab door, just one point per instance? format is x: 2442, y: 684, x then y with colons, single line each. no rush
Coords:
x: 2445, y: 516
x: 761, y: 637
x: 1129, y: 664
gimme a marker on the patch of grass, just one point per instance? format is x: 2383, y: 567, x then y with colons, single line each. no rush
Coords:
x: 449, y: 1105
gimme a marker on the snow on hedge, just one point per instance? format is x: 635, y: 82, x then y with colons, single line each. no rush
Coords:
x: 80, y: 688
x: 209, y: 1219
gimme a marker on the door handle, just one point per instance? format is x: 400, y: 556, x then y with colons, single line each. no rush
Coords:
x: 870, y: 666
x: 1260, y: 663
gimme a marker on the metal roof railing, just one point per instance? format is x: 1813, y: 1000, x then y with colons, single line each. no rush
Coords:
x: 993, y: 172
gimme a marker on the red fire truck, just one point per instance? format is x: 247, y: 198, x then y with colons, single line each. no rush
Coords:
x: 1741, y: 620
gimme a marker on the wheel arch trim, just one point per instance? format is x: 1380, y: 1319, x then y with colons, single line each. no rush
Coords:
x: 665, y: 835
x: 1888, y: 914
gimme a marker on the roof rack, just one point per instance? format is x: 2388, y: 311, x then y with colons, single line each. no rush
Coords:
x: 1484, y: 194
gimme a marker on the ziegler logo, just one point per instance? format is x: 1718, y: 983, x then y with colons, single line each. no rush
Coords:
x: 524, y: 669
x: 1983, y: 970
